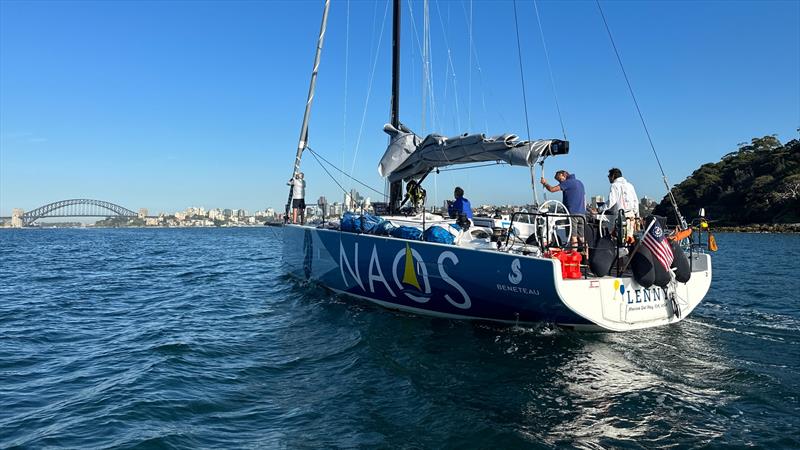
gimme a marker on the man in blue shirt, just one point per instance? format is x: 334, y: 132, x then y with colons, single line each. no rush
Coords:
x: 574, y: 199
x: 460, y: 205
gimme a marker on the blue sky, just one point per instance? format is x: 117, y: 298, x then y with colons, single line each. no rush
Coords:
x: 166, y: 105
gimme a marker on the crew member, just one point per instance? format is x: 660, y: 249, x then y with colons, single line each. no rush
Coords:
x: 459, y: 205
x: 416, y: 195
x: 298, y: 185
x: 622, y: 197
x: 574, y: 198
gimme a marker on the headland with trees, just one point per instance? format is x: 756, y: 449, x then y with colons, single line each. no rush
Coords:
x: 754, y: 188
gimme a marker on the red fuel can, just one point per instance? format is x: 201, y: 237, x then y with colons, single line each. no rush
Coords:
x: 575, y: 265
x: 570, y: 264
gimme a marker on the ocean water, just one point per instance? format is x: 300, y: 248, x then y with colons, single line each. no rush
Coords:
x: 195, y: 338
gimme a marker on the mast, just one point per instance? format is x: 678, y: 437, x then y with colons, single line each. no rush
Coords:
x: 396, y: 64
x: 395, y: 187
x: 303, y: 141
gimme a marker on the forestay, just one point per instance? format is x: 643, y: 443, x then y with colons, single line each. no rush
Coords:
x: 408, y: 156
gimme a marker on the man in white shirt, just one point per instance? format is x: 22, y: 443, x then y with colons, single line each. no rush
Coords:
x: 298, y: 185
x: 622, y: 196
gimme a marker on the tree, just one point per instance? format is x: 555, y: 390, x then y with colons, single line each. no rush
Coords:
x: 758, y: 183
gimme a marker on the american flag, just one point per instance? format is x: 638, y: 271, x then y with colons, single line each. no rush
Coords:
x: 658, y: 244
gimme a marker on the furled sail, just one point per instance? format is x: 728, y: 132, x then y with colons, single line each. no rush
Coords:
x: 408, y: 156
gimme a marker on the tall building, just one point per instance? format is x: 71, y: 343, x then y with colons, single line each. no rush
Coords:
x: 142, y: 213
x: 356, y: 196
x: 353, y: 201
x: 322, y: 202
x: 646, y: 206
x: 348, y: 204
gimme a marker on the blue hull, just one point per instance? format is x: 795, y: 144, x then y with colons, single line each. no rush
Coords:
x: 427, y: 278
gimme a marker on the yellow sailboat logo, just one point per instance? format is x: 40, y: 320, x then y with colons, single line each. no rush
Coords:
x: 409, y: 274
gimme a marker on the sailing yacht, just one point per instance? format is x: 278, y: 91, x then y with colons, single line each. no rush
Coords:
x: 513, y: 269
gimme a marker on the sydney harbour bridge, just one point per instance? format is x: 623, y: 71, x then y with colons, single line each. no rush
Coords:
x: 76, y: 207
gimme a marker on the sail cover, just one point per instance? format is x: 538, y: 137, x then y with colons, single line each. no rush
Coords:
x: 408, y: 156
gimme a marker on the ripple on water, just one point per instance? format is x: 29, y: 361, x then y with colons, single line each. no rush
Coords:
x: 197, y: 338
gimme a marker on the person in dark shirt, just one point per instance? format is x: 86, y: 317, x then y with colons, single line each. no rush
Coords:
x: 459, y: 205
x: 574, y: 199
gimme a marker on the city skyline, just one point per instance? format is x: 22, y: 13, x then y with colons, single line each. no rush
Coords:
x: 92, y: 106
x: 352, y: 201
x: 359, y: 199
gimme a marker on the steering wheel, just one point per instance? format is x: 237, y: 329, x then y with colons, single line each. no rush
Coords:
x: 555, y: 220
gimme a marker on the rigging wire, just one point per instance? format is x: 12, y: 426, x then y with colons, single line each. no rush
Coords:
x: 426, y: 81
x: 414, y: 27
x: 474, y: 50
x: 436, y: 122
x: 521, y: 72
x: 314, y: 154
x: 469, y: 73
x: 555, y: 97
x: 373, y: 28
x: 423, y: 53
x: 496, y: 163
x: 425, y: 63
x: 429, y: 65
x: 452, y: 68
x: 680, y: 218
x: 550, y: 69
x: 412, y: 59
x: 369, y: 91
x: 525, y: 101
x: 446, y: 78
x: 317, y: 156
x: 455, y: 85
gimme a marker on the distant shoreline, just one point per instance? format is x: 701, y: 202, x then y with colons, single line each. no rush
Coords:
x: 786, y: 228
x: 138, y: 227
x: 783, y: 228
